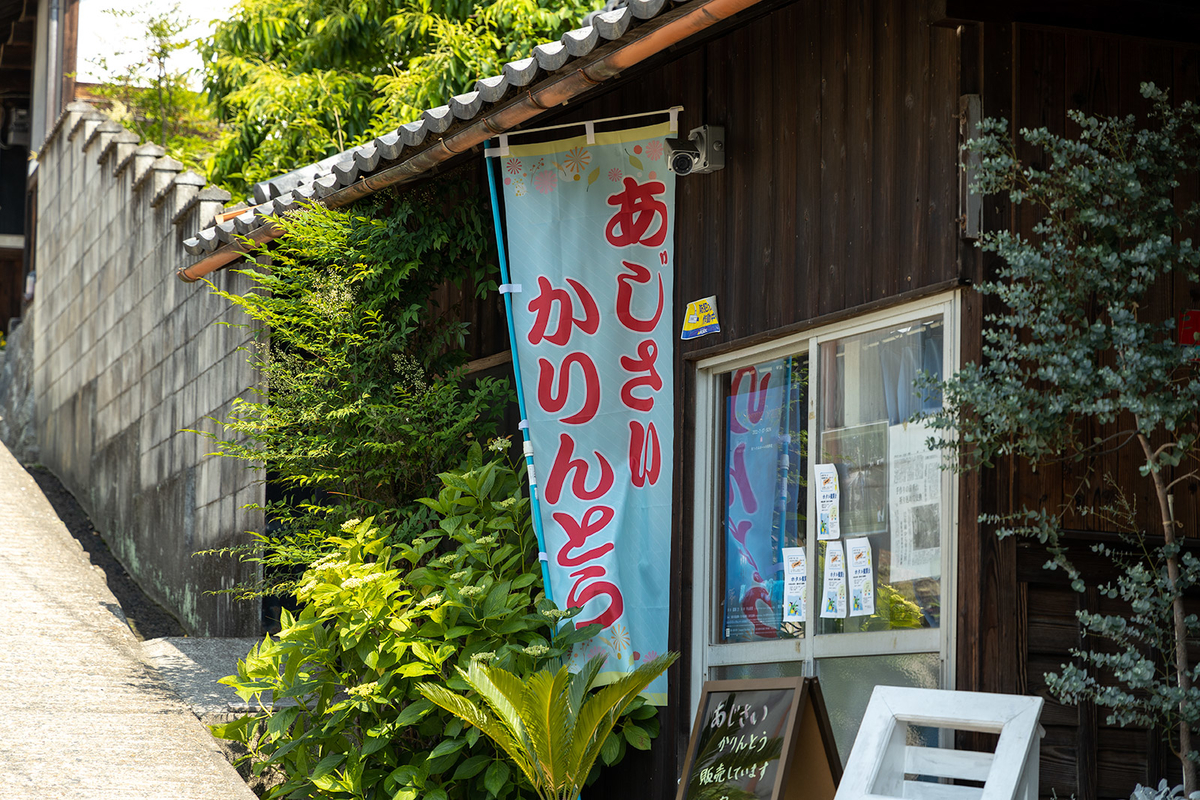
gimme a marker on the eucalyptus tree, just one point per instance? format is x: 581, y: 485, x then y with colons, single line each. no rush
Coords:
x: 1079, y: 366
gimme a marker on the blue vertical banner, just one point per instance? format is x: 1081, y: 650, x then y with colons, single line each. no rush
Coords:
x: 759, y: 456
x: 590, y: 231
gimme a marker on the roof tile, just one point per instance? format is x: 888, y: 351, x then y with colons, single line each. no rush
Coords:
x: 522, y: 71
x: 581, y: 42
x: 438, y: 119
x: 493, y: 88
x: 466, y: 106
x: 551, y: 55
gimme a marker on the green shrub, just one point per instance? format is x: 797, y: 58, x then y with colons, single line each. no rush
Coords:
x: 360, y: 405
x: 379, y: 617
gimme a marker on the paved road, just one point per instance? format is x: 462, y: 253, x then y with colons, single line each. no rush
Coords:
x: 81, y: 716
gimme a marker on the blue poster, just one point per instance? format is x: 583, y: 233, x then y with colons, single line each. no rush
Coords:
x: 590, y: 242
x: 762, y: 485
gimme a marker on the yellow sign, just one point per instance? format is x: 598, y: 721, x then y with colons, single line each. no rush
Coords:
x: 701, y: 318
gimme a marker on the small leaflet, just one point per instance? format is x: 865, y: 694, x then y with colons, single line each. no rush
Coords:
x: 833, y: 594
x: 862, y: 577
x: 795, y: 585
x: 828, y: 523
x: 700, y: 318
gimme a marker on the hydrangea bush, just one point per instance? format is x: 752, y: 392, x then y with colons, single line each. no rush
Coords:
x: 341, y: 714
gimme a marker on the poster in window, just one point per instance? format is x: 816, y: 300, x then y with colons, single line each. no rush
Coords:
x: 860, y: 453
x: 761, y: 458
x: 915, y: 500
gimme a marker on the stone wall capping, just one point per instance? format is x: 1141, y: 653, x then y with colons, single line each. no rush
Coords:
x: 214, y: 197
x: 66, y: 120
x: 81, y: 122
x: 114, y: 147
x: 143, y: 158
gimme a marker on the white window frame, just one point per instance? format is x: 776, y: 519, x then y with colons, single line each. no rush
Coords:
x: 705, y: 653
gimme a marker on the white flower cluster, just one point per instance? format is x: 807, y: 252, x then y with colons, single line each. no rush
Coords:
x: 554, y: 614
x: 363, y: 689
x: 351, y: 524
x: 497, y: 445
x: 432, y: 600
x: 471, y: 591
x: 486, y: 540
x: 536, y: 650
x: 485, y: 656
x: 328, y: 566
x: 462, y: 574
x: 362, y: 580
x: 448, y: 558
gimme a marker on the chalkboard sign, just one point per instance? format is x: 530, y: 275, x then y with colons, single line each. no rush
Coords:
x: 761, y: 740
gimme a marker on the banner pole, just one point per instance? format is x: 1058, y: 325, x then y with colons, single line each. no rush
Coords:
x: 527, y: 445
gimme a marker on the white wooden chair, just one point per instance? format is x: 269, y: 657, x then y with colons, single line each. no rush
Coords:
x: 881, y: 756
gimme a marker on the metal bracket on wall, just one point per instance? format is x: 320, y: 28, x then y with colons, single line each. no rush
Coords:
x: 970, y: 204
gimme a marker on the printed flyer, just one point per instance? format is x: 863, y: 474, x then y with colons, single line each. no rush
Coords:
x: 914, y: 497
x: 833, y: 594
x: 795, y: 585
x: 862, y: 577
x: 828, y: 524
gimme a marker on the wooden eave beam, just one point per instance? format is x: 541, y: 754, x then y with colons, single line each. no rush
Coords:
x: 22, y: 33
x: 1152, y: 19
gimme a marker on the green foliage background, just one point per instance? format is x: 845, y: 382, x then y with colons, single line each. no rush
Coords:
x: 151, y: 97
x: 297, y: 80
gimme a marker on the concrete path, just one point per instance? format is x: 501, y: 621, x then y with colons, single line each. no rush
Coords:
x: 81, y: 715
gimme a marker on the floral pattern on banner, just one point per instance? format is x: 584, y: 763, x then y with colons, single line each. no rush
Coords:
x: 572, y: 166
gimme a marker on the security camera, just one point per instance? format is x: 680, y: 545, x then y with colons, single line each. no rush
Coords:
x: 705, y: 153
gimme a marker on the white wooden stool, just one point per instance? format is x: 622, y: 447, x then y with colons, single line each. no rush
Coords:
x: 881, y: 756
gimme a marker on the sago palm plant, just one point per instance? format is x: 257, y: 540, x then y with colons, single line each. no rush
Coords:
x: 548, y: 724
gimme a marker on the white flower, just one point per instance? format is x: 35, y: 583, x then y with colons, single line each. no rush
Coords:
x: 362, y: 580
x: 536, y: 650
x: 485, y: 656
x: 486, y: 540
x: 432, y: 600
x: 471, y: 591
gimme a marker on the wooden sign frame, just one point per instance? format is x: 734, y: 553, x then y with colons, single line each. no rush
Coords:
x: 808, y: 741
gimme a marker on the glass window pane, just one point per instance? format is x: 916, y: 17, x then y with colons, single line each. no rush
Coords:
x: 890, y: 502
x: 764, y: 437
x: 769, y: 669
x: 846, y: 685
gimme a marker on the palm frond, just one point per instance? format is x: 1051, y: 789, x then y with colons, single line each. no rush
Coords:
x: 498, y: 732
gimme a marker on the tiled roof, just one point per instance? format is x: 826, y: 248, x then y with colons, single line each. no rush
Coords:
x: 413, y: 148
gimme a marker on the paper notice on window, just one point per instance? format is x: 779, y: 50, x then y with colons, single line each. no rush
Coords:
x: 862, y: 577
x: 828, y: 500
x: 915, y: 503
x: 795, y: 585
x: 833, y: 592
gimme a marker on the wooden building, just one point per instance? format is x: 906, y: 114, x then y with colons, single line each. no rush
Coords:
x: 836, y: 230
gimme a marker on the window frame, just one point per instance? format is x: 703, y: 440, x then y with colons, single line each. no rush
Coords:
x: 706, y: 653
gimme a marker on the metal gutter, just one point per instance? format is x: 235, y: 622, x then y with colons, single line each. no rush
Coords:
x: 606, y: 63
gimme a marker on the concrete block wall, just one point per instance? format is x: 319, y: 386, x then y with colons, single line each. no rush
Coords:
x: 127, y: 358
